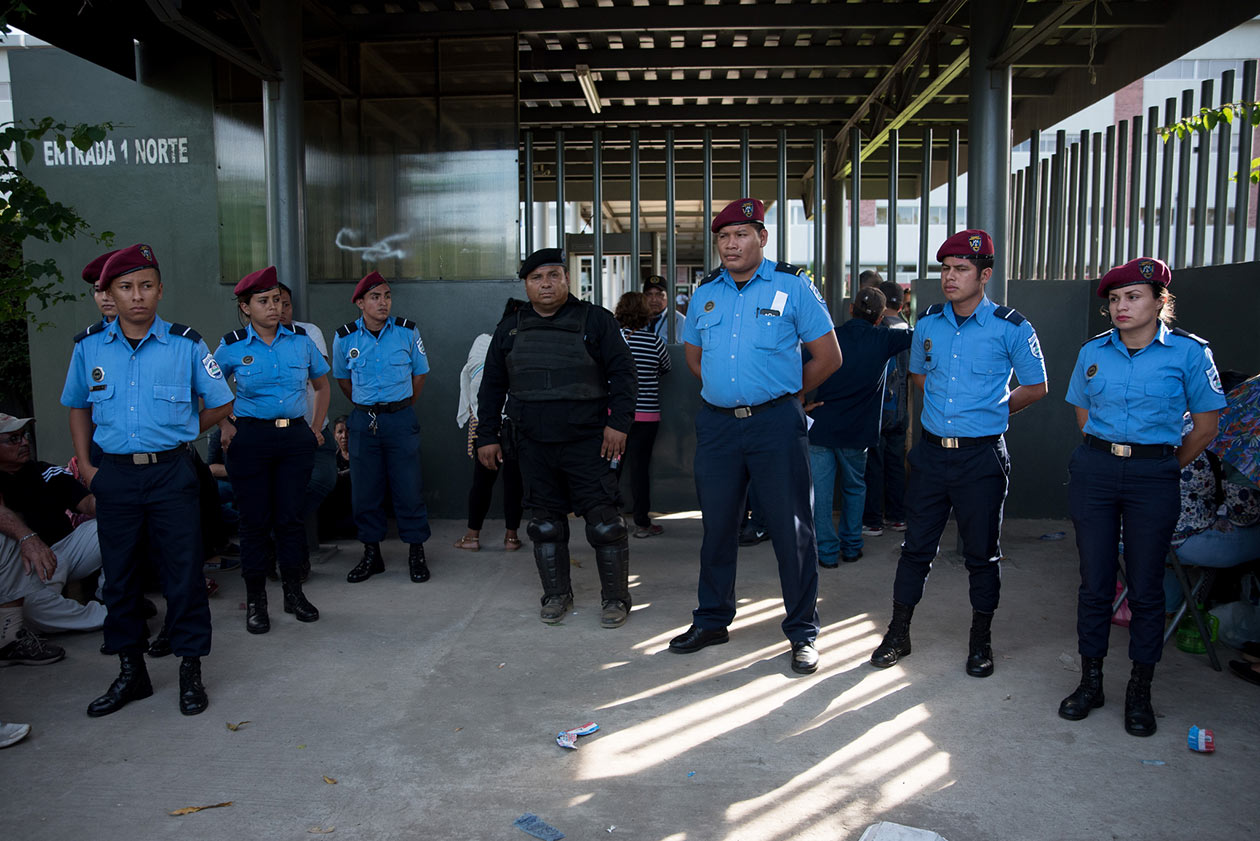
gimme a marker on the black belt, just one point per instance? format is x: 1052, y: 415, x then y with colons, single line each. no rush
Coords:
x: 148, y: 458
x: 384, y: 408
x: 747, y: 411
x: 279, y: 423
x: 1129, y: 450
x: 957, y: 443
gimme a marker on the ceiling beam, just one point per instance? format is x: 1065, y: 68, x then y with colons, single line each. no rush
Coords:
x: 708, y: 58
x: 671, y: 115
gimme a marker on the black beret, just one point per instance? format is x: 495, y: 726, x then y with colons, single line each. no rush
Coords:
x: 541, y: 257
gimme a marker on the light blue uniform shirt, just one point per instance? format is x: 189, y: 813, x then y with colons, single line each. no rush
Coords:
x: 751, y: 338
x: 657, y: 327
x: 968, y: 367
x: 1140, y: 399
x: 379, y: 368
x: 143, y: 400
x: 270, y: 379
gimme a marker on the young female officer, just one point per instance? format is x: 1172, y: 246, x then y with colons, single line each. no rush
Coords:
x: 269, y: 447
x: 1131, y: 387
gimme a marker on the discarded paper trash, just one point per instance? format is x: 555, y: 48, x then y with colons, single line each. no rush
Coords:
x: 535, y: 826
x: 1201, y: 740
x: 188, y: 810
x: 568, y: 738
x: 889, y: 831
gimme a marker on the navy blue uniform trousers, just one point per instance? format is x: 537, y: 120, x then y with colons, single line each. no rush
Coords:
x: 770, y: 452
x: 154, y: 506
x: 972, y: 481
x: 390, y: 455
x: 269, y: 467
x: 1142, y: 495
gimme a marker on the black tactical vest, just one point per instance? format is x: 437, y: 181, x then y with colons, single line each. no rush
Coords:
x: 548, y: 359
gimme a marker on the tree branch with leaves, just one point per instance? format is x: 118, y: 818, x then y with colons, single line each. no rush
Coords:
x: 1206, y: 121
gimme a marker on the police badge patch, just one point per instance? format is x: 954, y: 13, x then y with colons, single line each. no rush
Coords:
x: 748, y: 209
x: 419, y: 343
x: 98, y: 374
x: 974, y: 242
x: 1214, y: 377
x: 354, y: 353
x: 708, y: 306
x: 1091, y: 370
x: 212, y: 367
x: 248, y: 360
x: 146, y: 253
x: 927, y: 344
x: 1146, y: 268
x: 1035, y: 346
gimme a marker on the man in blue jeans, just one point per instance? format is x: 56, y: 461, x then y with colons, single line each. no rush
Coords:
x: 846, y: 412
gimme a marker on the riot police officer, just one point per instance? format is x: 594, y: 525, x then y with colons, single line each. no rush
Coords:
x: 380, y: 364
x: 268, y: 446
x: 139, y: 379
x: 570, y: 385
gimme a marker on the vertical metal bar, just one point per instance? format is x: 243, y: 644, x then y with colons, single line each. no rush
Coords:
x: 1070, y: 204
x: 1203, y: 155
x: 1081, y: 189
x: 1148, y: 212
x: 1017, y: 226
x: 744, y: 180
x: 284, y: 151
x: 1242, y: 200
x: 1105, y: 261
x: 529, y: 192
x: 925, y: 205
x: 951, y: 197
x: 1031, y: 199
x: 1095, y: 205
x: 820, y: 180
x: 1135, y: 187
x: 855, y: 209
x: 1223, y: 136
x: 893, y: 175
x: 1166, y: 183
x: 636, y: 273
x: 1121, y: 188
x: 1184, y: 150
x: 1044, y: 236
x: 708, y: 199
x: 671, y: 234
x: 781, y: 202
x: 560, y: 189
x: 1058, y: 174
x: 597, y: 215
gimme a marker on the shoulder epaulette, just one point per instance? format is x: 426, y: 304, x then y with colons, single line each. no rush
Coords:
x: 185, y: 331
x: 299, y: 329
x: 405, y: 323
x: 935, y: 309
x: 1009, y: 314
x: 788, y: 268
x: 710, y: 276
x: 91, y: 330
x: 347, y: 328
x: 1104, y: 334
x: 235, y: 336
x: 1177, y: 331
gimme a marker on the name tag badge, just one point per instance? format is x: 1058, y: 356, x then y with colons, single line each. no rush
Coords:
x: 769, y: 312
x: 780, y: 302
x: 97, y: 388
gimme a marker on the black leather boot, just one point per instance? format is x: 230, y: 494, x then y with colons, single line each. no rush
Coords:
x: 979, y: 649
x: 1139, y: 716
x: 1089, y: 695
x: 295, y: 601
x: 613, y: 563
x: 161, y: 645
x: 192, y: 693
x: 370, y: 565
x: 257, y: 621
x: 896, y: 642
x: 416, y: 565
x: 553, y: 568
x: 132, y: 684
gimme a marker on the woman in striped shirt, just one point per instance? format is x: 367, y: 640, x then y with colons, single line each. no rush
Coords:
x: 650, y: 361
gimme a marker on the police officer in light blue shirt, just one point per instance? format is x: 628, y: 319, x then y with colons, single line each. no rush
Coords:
x: 141, y: 382
x: 268, y: 446
x: 747, y: 322
x: 963, y: 354
x: 380, y: 364
x: 1131, y: 388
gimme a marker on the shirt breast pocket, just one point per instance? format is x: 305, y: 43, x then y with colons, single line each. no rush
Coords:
x: 174, y: 404
x: 1160, y: 396
x: 708, y: 324
x: 988, y: 376
x: 295, y: 375
x: 774, y: 332
x: 99, y: 396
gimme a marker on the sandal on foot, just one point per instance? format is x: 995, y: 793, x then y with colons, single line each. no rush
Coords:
x: 511, y: 544
x: 472, y: 544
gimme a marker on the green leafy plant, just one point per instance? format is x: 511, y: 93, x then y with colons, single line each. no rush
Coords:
x: 1206, y: 121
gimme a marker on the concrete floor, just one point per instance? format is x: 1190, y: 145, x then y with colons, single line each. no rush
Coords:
x: 435, y: 707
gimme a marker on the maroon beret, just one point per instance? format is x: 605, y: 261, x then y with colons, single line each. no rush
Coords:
x: 133, y: 258
x: 971, y: 244
x: 1142, y: 270
x: 259, y: 281
x: 371, y: 280
x: 92, y: 271
x: 740, y: 212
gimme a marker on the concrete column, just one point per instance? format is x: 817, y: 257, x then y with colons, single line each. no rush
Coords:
x: 989, y: 136
x: 285, y: 151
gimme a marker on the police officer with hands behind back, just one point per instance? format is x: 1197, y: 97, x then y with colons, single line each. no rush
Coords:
x: 961, y: 359
x: 380, y: 364
x: 570, y: 384
x: 1131, y: 388
x: 268, y: 446
x: 139, y: 380
x: 747, y: 322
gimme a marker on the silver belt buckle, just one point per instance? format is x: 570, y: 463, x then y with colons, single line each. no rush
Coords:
x: 281, y: 423
x: 144, y: 458
x: 949, y: 443
x: 1121, y: 450
x: 743, y: 411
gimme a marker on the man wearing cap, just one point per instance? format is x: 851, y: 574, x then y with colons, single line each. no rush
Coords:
x: 149, y: 387
x: 886, y: 461
x: 657, y: 295
x: 35, y: 533
x: 380, y: 364
x: 962, y: 357
x: 743, y: 341
x: 570, y: 385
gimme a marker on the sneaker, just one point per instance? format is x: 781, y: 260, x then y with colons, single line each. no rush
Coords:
x: 751, y: 537
x: 651, y: 530
x: 11, y: 734
x: 29, y: 650
x: 897, y: 526
x: 872, y: 531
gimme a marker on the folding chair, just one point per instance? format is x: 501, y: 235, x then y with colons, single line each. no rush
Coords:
x: 1191, y: 593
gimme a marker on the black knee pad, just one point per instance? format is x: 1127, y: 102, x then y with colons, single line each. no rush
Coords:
x: 548, y: 530
x: 605, y: 532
